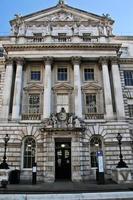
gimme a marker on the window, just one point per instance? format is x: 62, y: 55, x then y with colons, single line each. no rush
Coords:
x: 29, y: 152
x: 88, y: 74
x: 95, y: 146
x: 86, y: 37
x: 34, y: 103
x: 91, y: 103
x: 62, y: 37
x: 62, y: 74
x: 62, y: 102
x: 130, y: 108
x: 128, y: 77
x: 35, y: 74
x: 37, y: 34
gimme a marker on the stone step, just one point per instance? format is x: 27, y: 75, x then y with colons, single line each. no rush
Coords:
x: 80, y: 196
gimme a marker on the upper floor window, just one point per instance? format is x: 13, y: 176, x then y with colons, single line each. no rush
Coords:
x: 35, y: 74
x: 62, y: 37
x: 62, y: 102
x: 29, y: 152
x: 37, y: 34
x: 91, y: 103
x: 34, y: 103
x: 88, y: 74
x: 128, y: 77
x: 86, y: 37
x: 62, y: 74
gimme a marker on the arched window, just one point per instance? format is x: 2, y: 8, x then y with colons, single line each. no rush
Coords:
x: 95, y: 145
x: 29, y: 152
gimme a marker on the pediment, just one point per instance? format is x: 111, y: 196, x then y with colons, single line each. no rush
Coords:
x: 33, y: 86
x: 61, y: 13
x: 62, y: 86
x: 91, y: 86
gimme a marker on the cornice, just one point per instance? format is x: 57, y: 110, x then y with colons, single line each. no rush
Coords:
x: 66, y: 46
x: 126, y: 60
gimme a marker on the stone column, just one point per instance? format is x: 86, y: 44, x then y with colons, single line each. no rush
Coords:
x: 7, y: 90
x: 17, y: 90
x: 47, y: 88
x: 107, y: 89
x: 119, y: 103
x: 77, y: 87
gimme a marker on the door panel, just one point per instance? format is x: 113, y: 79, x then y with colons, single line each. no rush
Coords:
x: 63, y: 160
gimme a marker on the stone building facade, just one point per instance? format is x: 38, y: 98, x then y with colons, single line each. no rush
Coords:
x: 66, y: 91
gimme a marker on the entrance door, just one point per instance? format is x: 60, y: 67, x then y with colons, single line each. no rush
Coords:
x: 62, y: 160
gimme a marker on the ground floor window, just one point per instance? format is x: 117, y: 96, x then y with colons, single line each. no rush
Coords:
x: 29, y: 152
x: 95, y: 146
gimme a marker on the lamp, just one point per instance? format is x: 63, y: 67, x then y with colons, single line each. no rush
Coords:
x: 121, y: 163
x: 4, y: 165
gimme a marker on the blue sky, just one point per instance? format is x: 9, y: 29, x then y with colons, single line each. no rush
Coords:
x: 120, y: 10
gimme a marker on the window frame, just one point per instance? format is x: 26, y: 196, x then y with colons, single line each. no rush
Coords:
x: 87, y: 106
x: 29, y: 73
x: 128, y: 79
x: 59, y: 67
x: 57, y: 94
x: 34, y: 93
x: 98, y: 137
x: 23, y: 150
x: 91, y: 80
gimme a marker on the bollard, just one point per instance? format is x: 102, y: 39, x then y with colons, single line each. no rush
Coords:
x: 34, y: 173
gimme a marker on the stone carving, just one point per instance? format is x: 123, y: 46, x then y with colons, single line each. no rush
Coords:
x: 108, y: 29
x: 62, y: 16
x: 63, y: 120
x: 101, y: 29
x: 19, y: 26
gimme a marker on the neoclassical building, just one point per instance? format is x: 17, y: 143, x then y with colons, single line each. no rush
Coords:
x: 66, y: 91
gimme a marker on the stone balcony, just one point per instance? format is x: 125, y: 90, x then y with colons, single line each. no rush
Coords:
x: 94, y: 116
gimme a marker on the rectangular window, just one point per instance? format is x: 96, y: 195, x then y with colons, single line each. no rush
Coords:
x: 86, y: 37
x: 34, y: 103
x: 88, y: 74
x: 62, y: 74
x: 91, y: 103
x: 35, y: 74
x: 128, y: 77
x: 62, y: 102
x: 130, y: 108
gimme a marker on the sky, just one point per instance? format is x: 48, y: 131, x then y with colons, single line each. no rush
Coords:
x: 120, y: 10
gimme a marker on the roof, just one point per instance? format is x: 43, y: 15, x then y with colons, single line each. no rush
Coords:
x: 64, y: 6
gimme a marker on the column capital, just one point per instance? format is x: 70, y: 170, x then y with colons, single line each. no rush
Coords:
x: 103, y: 60
x: 20, y: 60
x: 76, y: 60
x: 48, y: 60
x: 9, y: 60
x: 114, y: 60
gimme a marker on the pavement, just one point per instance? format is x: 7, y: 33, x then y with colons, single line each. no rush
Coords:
x: 66, y: 190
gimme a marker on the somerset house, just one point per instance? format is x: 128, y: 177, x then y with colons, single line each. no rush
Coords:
x: 66, y: 92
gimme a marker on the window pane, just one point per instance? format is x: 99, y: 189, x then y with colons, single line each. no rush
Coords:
x: 62, y: 74
x: 130, y: 108
x: 91, y: 103
x: 128, y: 77
x: 29, y: 152
x: 95, y: 146
x: 35, y: 73
x: 34, y: 103
x: 88, y: 74
x: 62, y: 102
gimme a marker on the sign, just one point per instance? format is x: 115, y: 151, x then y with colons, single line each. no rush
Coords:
x: 100, y: 161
